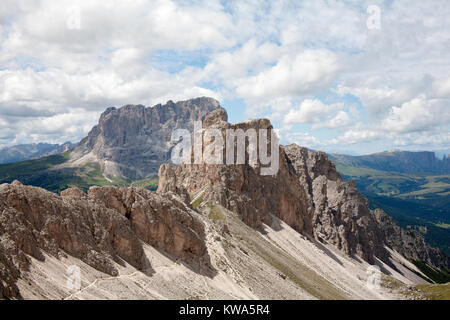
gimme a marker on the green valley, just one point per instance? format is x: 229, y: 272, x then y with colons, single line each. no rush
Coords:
x: 417, y: 201
x: 51, y: 174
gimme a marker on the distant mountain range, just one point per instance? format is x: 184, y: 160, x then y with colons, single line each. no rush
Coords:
x: 397, y: 161
x: 32, y: 151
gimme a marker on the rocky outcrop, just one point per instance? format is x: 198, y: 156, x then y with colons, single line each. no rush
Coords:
x: 105, y: 226
x: 164, y: 222
x: 133, y: 141
x: 241, y: 188
x: 307, y: 193
x: 409, y: 243
x: 340, y: 214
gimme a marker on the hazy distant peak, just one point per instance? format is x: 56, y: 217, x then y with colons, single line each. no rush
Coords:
x: 398, y: 161
x: 30, y: 151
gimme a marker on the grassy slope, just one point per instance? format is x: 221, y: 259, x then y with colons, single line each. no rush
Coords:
x: 150, y: 183
x: 10, y: 171
x: 436, y: 291
x: 400, y: 185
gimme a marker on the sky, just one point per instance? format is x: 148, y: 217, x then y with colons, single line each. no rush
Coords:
x: 350, y: 76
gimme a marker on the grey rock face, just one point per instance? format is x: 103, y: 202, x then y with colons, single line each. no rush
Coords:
x: 135, y: 140
x: 340, y: 206
x: 240, y: 188
x: 340, y: 214
x: 307, y: 193
x: 411, y: 244
x: 107, y: 224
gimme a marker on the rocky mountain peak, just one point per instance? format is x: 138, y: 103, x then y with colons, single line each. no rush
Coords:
x: 307, y: 193
x: 134, y: 140
x: 216, y: 117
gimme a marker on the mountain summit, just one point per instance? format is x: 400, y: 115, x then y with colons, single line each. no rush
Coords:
x: 133, y: 141
x: 307, y: 193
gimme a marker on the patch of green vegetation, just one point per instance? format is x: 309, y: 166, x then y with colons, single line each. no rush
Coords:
x: 417, y: 216
x: 45, y: 173
x: 438, y: 276
x: 443, y: 225
x: 215, y: 213
x: 10, y: 171
x: 384, y: 183
x: 91, y: 174
x: 401, y: 185
x: 418, y: 201
x: 149, y: 183
x: 435, y: 291
x: 197, y: 202
x: 423, y: 291
x: 391, y: 283
x: 83, y: 178
x: 421, y: 229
